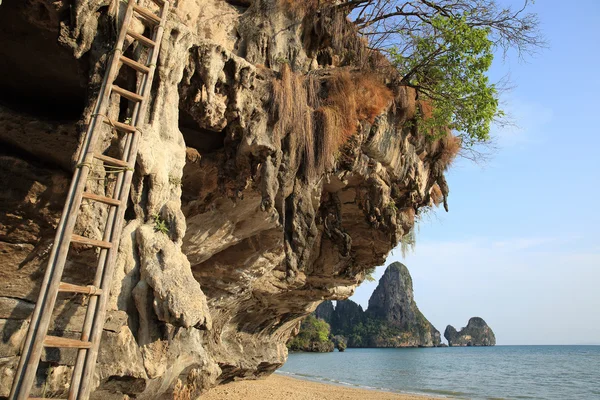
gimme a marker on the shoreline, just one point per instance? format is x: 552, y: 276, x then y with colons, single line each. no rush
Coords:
x: 281, y: 386
x: 325, y: 381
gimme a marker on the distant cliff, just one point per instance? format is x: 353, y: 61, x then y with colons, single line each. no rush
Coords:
x: 392, y: 319
x: 476, y: 333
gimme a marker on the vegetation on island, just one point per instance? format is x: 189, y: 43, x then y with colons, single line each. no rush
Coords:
x: 370, y: 331
x: 313, y: 336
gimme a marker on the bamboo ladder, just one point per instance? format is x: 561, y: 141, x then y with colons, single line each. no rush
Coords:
x: 91, y: 334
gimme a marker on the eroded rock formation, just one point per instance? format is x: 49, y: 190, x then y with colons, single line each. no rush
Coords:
x: 393, y: 301
x: 476, y: 333
x: 391, y: 320
x: 258, y: 231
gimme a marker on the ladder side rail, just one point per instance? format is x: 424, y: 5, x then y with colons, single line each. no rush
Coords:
x: 91, y: 311
x: 96, y: 333
x: 92, y: 308
x: 32, y: 349
x: 102, y: 263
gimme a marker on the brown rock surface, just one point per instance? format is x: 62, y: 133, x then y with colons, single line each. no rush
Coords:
x: 253, y: 243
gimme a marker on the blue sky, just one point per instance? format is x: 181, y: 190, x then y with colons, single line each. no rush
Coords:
x: 520, y: 246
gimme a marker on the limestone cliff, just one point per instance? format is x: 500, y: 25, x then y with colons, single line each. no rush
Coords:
x: 391, y: 320
x: 272, y: 198
x: 393, y: 301
x: 476, y: 333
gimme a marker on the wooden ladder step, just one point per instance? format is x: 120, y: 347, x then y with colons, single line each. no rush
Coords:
x: 147, y: 14
x: 70, y: 288
x: 42, y: 398
x: 141, y: 38
x: 112, y: 161
x: 102, y: 199
x: 135, y: 65
x: 90, y: 242
x: 61, y: 342
x: 126, y: 93
x: 119, y: 125
x: 159, y: 3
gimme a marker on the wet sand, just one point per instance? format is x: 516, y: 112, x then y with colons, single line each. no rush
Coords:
x: 277, y: 387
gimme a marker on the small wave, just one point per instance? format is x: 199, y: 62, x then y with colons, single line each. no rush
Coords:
x: 328, y: 381
x: 443, y: 393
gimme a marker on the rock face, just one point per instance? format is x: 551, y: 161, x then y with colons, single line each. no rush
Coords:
x: 392, y: 319
x: 266, y: 216
x: 476, y: 333
x: 393, y: 301
x: 347, y: 315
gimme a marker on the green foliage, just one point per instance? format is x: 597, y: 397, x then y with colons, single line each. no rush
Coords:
x: 423, y: 326
x: 448, y: 67
x: 340, y: 342
x: 370, y: 330
x: 314, y: 333
x: 160, y: 225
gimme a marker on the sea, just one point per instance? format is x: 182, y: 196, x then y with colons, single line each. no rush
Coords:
x: 499, y: 372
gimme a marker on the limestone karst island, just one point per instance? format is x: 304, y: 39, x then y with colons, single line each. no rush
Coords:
x: 222, y: 199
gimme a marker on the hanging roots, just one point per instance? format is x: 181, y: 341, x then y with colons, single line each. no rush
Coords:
x: 317, y: 116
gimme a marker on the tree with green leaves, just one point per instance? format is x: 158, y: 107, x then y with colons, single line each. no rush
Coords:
x: 443, y: 49
x: 448, y: 69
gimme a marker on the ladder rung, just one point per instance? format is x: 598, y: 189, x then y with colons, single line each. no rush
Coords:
x: 159, y: 3
x: 119, y: 125
x: 91, y: 242
x: 112, y: 161
x: 126, y: 93
x: 135, y: 65
x: 61, y: 342
x: 70, y: 288
x: 141, y: 38
x: 149, y: 15
x: 102, y: 199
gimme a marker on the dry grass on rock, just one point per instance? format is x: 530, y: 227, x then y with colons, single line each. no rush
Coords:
x: 446, y: 149
x: 318, y: 116
x: 437, y: 197
x: 303, y: 7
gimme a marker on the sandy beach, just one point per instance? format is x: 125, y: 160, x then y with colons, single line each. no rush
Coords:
x: 278, y: 387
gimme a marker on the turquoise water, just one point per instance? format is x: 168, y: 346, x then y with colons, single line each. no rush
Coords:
x: 501, y: 372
